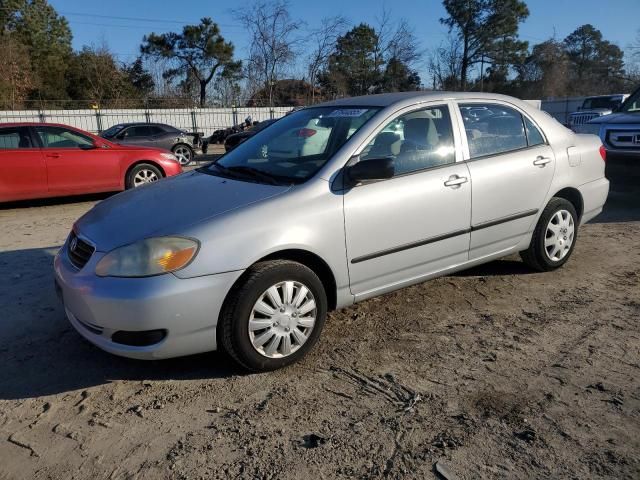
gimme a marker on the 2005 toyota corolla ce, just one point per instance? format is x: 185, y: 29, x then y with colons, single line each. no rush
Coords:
x: 249, y: 253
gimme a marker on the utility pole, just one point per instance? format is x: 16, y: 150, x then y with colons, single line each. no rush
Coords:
x: 482, y: 73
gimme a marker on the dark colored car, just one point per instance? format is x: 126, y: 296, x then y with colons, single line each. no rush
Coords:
x: 183, y: 145
x: 620, y: 130
x: 232, y: 141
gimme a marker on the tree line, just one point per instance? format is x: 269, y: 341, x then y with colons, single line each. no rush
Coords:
x: 290, y: 63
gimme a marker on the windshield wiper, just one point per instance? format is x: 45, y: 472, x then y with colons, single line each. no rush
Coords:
x: 253, y: 173
x: 246, y: 173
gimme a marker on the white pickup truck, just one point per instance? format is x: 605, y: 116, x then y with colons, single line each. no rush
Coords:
x: 593, y: 107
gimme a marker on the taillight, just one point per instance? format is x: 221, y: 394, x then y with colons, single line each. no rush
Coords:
x: 306, y: 132
x: 603, y: 153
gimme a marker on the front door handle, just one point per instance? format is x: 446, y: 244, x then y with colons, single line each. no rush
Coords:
x: 53, y: 155
x: 455, y: 181
x: 541, y: 161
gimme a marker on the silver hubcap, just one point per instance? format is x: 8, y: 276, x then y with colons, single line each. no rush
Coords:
x: 183, y: 155
x: 282, y: 319
x: 559, y: 236
x: 144, y: 176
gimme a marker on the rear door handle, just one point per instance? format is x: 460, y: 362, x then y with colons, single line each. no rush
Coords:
x: 455, y: 181
x: 541, y: 161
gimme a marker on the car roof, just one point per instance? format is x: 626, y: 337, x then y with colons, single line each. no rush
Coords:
x: 388, y: 99
x: 143, y: 124
x: 37, y: 124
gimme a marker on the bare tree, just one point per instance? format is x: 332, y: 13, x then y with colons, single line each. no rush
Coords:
x: 16, y: 76
x: 445, y: 63
x: 273, y: 41
x: 403, y: 45
x: 323, y: 43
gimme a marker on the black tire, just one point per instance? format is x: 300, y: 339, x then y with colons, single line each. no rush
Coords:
x: 233, y: 325
x: 188, y: 147
x: 536, y: 256
x: 129, y: 181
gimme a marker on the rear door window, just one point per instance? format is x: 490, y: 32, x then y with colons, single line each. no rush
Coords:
x: 492, y: 129
x: 15, y: 138
x: 155, y: 130
x: 137, y: 132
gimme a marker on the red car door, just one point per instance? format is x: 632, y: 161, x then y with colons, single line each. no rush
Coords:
x: 75, y: 164
x: 23, y: 173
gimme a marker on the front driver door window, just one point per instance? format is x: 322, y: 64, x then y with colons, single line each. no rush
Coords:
x: 400, y: 230
x: 416, y: 141
x: 57, y: 138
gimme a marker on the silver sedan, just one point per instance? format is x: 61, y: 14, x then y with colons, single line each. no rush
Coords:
x: 402, y: 188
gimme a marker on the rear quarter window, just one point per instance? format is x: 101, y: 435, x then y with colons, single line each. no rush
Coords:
x: 9, y: 139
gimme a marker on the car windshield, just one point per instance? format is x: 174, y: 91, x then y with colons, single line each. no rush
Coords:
x: 112, y: 131
x: 632, y: 104
x: 261, y: 126
x: 601, y: 102
x: 294, y: 148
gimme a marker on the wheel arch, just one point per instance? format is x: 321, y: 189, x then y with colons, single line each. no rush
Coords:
x: 139, y: 162
x: 309, y: 260
x: 316, y: 264
x: 573, y: 196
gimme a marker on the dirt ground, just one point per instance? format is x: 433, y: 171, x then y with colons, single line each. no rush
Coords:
x: 497, y: 372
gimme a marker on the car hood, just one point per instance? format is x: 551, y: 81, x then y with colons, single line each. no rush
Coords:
x: 167, y: 208
x: 617, y: 118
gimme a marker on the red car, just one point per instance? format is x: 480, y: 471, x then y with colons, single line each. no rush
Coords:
x: 48, y: 160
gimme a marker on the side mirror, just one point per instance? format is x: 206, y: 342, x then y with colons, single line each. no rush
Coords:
x: 367, y: 170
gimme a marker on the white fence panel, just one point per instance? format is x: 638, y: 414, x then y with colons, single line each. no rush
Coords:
x: 560, y: 108
x: 204, y: 120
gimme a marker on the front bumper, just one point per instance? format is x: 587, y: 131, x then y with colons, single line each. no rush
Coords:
x: 185, y: 309
x: 617, y: 153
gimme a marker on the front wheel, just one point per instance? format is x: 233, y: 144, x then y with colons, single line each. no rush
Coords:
x: 274, y: 316
x: 554, y: 237
x: 183, y: 153
x: 142, y: 174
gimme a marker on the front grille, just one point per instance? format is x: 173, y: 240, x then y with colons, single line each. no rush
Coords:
x: 79, y: 251
x: 624, y: 138
x: 582, y: 118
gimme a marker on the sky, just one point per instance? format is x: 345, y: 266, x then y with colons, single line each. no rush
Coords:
x: 94, y: 23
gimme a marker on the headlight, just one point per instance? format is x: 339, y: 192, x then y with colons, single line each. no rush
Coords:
x: 169, y: 156
x: 152, y: 256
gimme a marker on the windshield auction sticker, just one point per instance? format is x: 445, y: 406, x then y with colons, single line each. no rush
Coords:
x: 347, y: 112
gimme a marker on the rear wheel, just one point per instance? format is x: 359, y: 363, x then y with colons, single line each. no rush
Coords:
x: 183, y: 153
x: 142, y: 174
x: 274, y: 317
x: 554, y: 237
